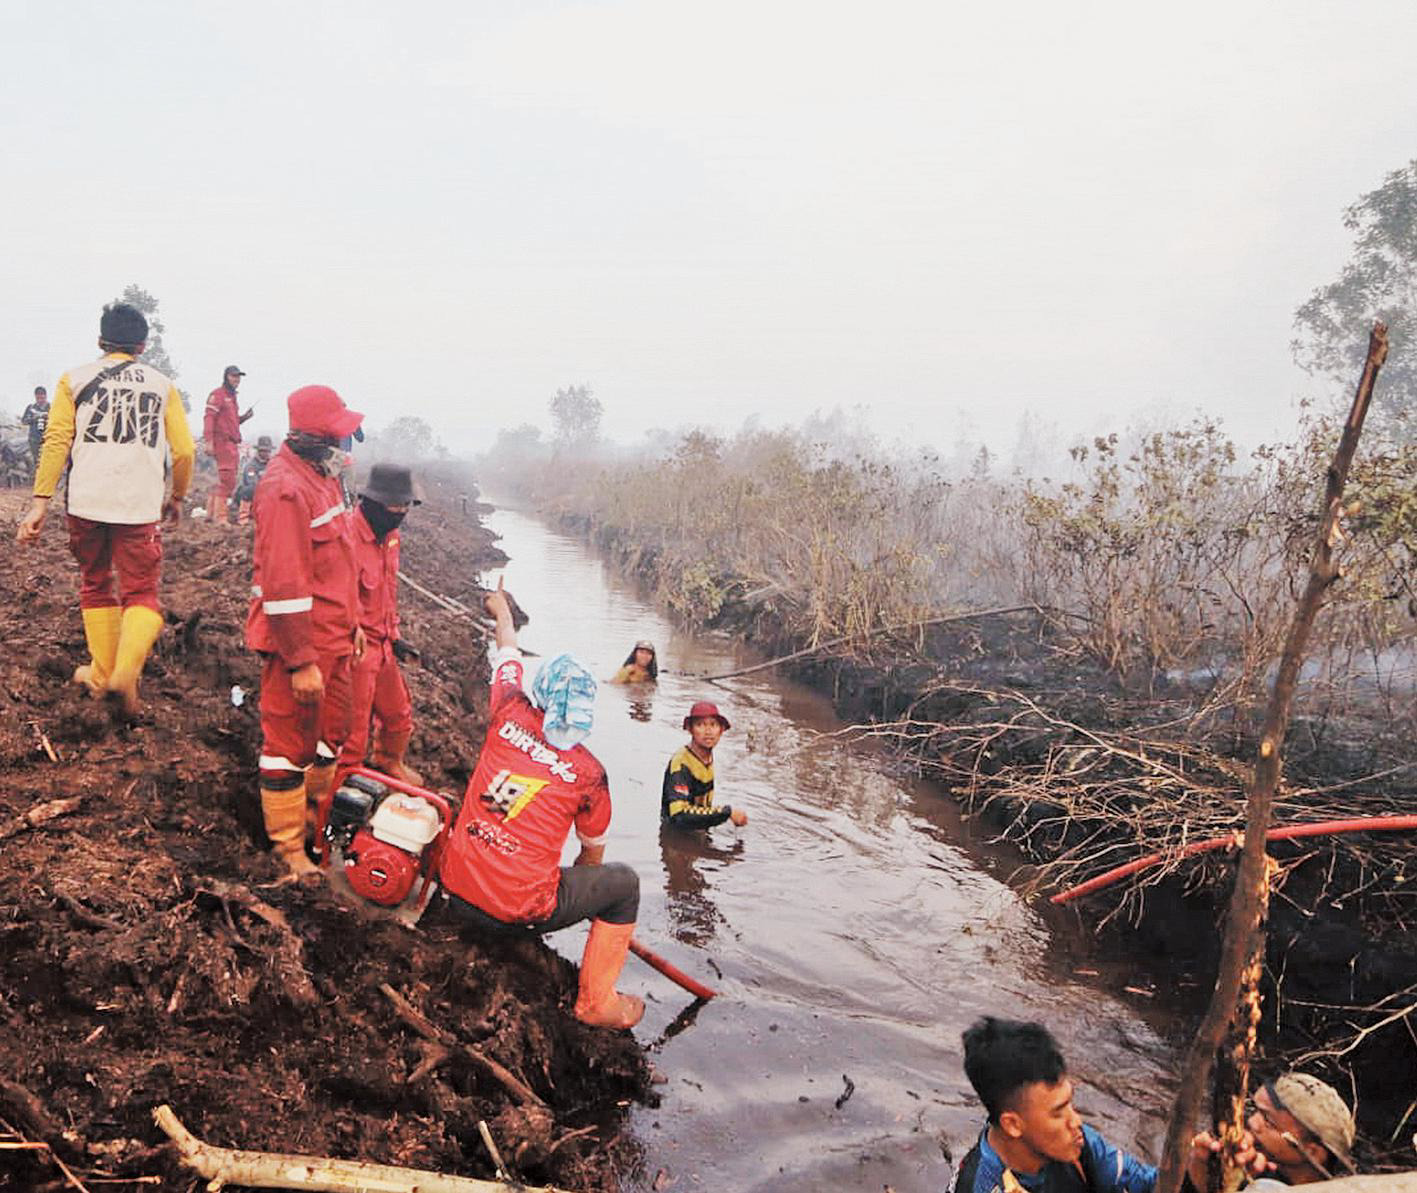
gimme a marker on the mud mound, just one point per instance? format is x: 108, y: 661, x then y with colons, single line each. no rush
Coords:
x: 148, y: 953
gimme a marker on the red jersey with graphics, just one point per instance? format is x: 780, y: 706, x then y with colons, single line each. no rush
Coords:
x: 521, y: 802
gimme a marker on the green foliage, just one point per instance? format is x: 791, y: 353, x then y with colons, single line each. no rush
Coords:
x: 1378, y: 282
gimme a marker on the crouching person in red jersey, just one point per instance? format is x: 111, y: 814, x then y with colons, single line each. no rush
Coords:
x: 304, y: 616
x: 535, y: 780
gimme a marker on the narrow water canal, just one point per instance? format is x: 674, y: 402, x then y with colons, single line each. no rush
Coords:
x: 851, y: 930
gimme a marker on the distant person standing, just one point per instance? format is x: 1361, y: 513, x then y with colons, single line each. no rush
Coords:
x: 112, y: 423
x: 35, y: 419
x: 379, y: 691
x: 221, y: 430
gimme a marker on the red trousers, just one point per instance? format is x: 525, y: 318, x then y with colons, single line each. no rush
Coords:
x: 379, y: 691
x: 102, y: 548
x: 293, y: 734
x: 222, y: 490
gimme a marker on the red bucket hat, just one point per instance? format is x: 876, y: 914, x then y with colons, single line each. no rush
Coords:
x: 706, y: 708
x: 318, y: 410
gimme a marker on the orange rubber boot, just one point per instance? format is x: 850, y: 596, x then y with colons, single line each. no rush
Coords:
x: 216, y: 507
x: 318, y: 781
x: 284, y: 813
x: 389, y: 749
x: 598, y: 1002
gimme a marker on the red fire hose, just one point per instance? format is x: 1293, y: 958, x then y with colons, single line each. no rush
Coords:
x: 697, y: 989
x: 1320, y: 828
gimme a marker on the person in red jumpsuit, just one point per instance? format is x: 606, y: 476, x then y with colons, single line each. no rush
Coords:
x: 221, y: 429
x: 535, y: 781
x: 380, y: 692
x: 303, y: 616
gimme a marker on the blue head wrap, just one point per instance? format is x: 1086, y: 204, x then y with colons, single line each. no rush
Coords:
x: 564, y: 689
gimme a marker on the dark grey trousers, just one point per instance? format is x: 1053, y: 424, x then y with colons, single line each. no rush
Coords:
x: 609, y: 892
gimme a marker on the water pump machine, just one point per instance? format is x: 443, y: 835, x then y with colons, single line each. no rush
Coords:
x: 389, y: 834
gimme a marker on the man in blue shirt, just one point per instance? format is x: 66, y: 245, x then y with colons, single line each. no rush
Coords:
x: 1035, y: 1141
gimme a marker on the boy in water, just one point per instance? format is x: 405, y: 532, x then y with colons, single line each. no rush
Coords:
x: 687, y: 797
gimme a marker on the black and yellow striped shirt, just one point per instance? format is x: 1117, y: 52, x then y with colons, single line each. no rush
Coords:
x: 687, y: 799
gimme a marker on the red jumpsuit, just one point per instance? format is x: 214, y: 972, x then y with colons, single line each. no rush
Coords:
x: 222, y: 430
x: 379, y: 687
x: 521, y: 802
x: 303, y: 597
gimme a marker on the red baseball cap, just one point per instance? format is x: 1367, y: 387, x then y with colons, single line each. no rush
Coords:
x: 706, y: 708
x: 318, y: 410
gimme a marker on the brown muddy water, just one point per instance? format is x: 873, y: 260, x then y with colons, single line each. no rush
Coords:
x: 852, y: 928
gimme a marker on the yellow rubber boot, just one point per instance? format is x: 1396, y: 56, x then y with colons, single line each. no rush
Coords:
x: 284, y: 813
x: 389, y: 749
x: 101, y: 628
x: 139, y: 630
x: 598, y: 1003
x: 318, y: 781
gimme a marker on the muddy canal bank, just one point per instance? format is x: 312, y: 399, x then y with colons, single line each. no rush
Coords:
x: 1019, y: 728
x: 149, y: 954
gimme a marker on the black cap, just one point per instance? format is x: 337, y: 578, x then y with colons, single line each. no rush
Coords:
x: 123, y: 325
x: 391, y: 484
x: 226, y: 372
x: 265, y: 441
x: 39, y: 389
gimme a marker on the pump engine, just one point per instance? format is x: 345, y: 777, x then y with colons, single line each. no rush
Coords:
x: 388, y: 834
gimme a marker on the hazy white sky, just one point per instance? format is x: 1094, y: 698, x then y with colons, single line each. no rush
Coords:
x: 963, y: 217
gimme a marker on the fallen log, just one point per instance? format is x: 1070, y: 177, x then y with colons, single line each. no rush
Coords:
x: 273, y: 1170
x: 40, y: 814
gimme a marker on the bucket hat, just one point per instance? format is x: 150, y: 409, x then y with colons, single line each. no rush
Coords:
x: 391, y: 484
x: 706, y: 708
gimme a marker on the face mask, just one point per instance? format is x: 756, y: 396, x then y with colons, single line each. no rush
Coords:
x: 380, y: 518
x: 318, y: 452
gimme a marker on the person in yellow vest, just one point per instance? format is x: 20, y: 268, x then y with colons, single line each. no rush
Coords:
x: 113, y: 422
x: 640, y: 665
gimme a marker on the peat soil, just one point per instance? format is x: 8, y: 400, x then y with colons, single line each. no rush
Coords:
x: 150, y: 954
x: 1341, y: 953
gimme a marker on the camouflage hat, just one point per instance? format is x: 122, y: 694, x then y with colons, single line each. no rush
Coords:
x: 1320, y: 1111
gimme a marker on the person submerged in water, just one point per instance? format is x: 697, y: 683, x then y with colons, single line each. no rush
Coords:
x: 687, y: 798
x: 640, y: 666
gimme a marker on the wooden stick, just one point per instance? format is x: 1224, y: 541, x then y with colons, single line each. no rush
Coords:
x: 490, y: 1144
x: 886, y: 629
x: 430, y: 1031
x: 452, y: 606
x: 272, y: 1170
x: 44, y: 741
x: 1243, y: 931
